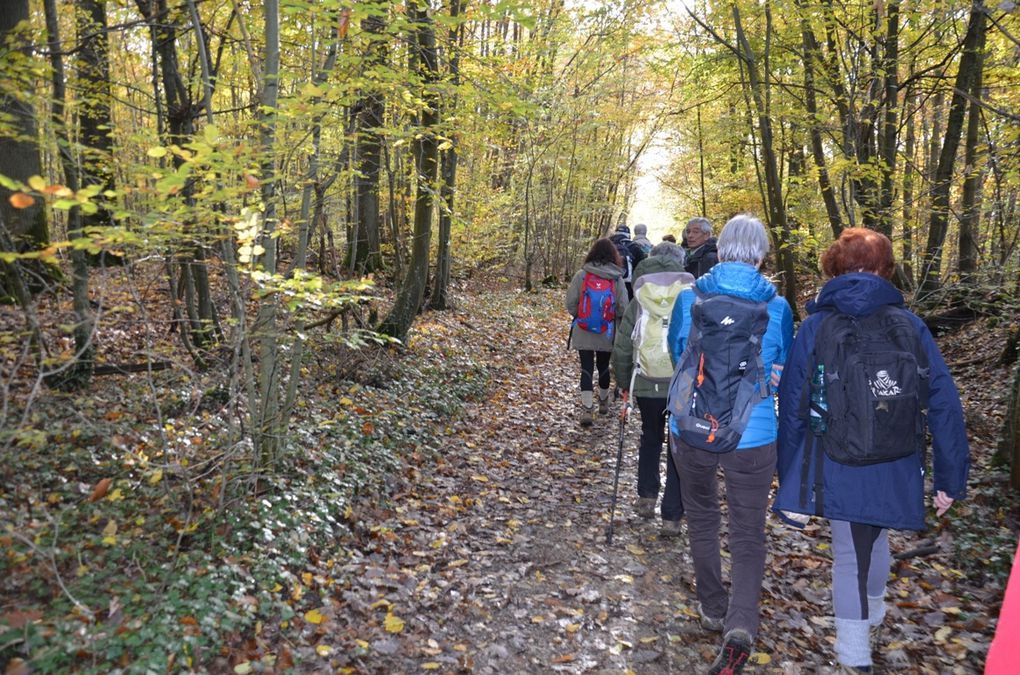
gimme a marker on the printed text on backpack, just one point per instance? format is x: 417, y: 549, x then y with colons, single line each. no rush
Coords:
x: 596, y: 309
x: 720, y: 376
x: 876, y: 386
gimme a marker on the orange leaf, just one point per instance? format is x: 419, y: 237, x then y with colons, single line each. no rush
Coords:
x: 100, y: 490
x: 563, y: 658
x: 189, y: 621
x: 251, y: 181
x: 20, y: 200
x: 345, y: 22
x: 367, y: 428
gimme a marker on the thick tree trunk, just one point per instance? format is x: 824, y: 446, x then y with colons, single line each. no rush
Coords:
x: 412, y: 288
x: 970, y: 63
x: 19, y: 152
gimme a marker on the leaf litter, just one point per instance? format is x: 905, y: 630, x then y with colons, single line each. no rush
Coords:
x: 496, y: 561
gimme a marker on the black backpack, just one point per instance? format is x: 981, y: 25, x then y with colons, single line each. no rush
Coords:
x: 626, y: 256
x: 720, y: 376
x: 876, y: 387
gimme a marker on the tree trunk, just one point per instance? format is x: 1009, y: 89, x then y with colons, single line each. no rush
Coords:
x: 412, y: 288
x: 887, y: 149
x: 909, y: 152
x: 19, y: 153
x: 1009, y: 443
x: 970, y: 207
x: 970, y: 63
x: 79, y: 372
x: 371, y: 109
x: 773, y: 185
x: 812, y: 51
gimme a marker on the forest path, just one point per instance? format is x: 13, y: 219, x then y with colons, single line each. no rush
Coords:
x: 492, y: 556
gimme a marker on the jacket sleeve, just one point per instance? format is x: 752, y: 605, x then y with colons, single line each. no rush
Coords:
x: 680, y: 325
x: 623, y: 347
x: 574, y: 294
x: 622, y: 301
x: 792, y: 426
x: 950, y: 449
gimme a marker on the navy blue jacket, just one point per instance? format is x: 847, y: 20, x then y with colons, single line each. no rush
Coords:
x: 890, y: 494
x: 743, y: 281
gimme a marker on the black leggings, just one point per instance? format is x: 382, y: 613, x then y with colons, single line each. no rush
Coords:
x: 589, y: 359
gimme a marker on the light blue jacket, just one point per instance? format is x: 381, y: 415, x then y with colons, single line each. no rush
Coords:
x: 742, y: 281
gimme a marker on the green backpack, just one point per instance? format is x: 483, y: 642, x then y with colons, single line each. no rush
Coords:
x: 655, y: 294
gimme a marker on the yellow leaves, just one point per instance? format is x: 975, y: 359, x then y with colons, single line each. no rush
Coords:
x: 625, y: 578
x: 346, y: 401
x: 382, y: 602
x: 20, y: 200
x: 942, y: 634
x: 573, y: 627
x: 314, y: 616
x: 37, y: 183
x: 156, y: 477
x: 243, y: 668
x: 393, y: 623
x: 760, y: 658
x: 480, y: 478
x: 156, y: 152
x: 323, y: 650
x: 110, y: 533
x: 430, y: 665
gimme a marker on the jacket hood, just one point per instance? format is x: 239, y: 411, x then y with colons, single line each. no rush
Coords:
x: 657, y: 292
x: 856, y: 294
x: 620, y: 237
x: 604, y: 270
x: 737, y: 279
x: 657, y: 263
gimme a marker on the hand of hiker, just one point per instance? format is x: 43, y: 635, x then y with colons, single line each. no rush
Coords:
x: 777, y: 373
x: 942, y: 502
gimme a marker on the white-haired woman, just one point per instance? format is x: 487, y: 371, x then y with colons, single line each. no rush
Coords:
x: 743, y: 245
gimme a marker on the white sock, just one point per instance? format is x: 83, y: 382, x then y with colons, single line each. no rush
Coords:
x: 876, y: 610
x: 586, y: 399
x: 603, y: 394
x: 853, y: 647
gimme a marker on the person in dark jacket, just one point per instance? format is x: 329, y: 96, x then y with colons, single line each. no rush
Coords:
x: 630, y: 256
x: 594, y: 349
x: 702, y: 251
x: 664, y: 279
x: 748, y: 470
x: 863, y: 502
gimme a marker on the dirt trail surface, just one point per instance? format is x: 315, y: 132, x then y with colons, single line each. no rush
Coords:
x: 491, y: 556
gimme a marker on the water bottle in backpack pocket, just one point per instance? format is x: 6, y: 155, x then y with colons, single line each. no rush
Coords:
x: 720, y: 376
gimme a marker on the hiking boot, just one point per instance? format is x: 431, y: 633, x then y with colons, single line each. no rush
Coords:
x: 708, y: 623
x: 670, y: 528
x: 645, y: 507
x: 735, y: 652
x: 604, y: 405
x: 586, y: 416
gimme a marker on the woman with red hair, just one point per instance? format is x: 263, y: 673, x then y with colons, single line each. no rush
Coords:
x: 888, y: 370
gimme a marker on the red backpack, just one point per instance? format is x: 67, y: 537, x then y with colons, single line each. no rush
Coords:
x: 596, y: 309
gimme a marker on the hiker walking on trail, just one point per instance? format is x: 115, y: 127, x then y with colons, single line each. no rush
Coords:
x: 641, y: 352
x: 729, y: 335
x: 861, y: 373
x: 702, y: 251
x: 641, y: 241
x: 596, y: 299
x: 630, y: 256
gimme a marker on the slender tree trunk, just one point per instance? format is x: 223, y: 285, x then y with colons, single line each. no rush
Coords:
x: 812, y: 52
x: 80, y: 372
x: 970, y: 207
x: 887, y: 150
x: 970, y: 63
x: 909, y: 152
x: 412, y: 288
x: 448, y: 172
x: 371, y: 110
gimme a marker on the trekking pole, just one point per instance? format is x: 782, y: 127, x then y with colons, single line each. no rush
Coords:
x: 624, y: 415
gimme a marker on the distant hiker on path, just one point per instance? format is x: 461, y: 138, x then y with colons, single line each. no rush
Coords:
x: 642, y: 241
x: 852, y: 430
x: 630, y: 255
x: 702, y: 253
x: 641, y: 347
x: 596, y: 298
x: 734, y: 329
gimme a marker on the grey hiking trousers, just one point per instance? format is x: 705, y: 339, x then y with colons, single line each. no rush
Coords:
x: 748, y: 478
